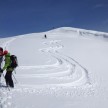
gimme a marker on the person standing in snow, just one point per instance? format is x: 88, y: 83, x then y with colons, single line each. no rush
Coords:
x: 9, y: 69
x: 1, y: 57
x: 45, y: 36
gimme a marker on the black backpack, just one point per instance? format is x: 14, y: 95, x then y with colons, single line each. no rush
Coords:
x: 14, y: 61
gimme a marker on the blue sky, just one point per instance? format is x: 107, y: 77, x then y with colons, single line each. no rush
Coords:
x: 28, y: 16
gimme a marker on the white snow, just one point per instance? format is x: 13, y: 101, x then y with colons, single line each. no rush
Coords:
x: 66, y: 70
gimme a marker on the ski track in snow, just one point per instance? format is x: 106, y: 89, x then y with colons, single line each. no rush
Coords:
x: 73, y: 66
x: 6, y: 44
x: 71, y: 72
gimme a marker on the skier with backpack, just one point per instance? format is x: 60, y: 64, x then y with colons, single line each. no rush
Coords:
x: 10, y: 65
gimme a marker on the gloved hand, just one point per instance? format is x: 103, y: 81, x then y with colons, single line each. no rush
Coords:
x: 1, y: 71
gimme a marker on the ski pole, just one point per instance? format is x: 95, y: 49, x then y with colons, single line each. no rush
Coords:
x: 15, y: 78
x: 0, y: 79
x: 14, y: 71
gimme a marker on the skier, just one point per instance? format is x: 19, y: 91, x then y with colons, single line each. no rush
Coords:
x: 45, y: 36
x: 1, y: 57
x: 9, y: 69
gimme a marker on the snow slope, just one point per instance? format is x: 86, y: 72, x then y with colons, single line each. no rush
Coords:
x: 68, y: 69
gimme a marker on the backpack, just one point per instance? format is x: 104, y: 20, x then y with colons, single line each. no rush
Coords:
x: 14, y: 61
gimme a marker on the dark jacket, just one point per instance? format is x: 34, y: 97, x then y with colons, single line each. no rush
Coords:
x: 1, y: 59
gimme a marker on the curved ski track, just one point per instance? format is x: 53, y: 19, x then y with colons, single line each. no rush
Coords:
x: 65, y: 72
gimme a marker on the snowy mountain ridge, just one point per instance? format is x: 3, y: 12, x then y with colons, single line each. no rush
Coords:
x: 81, y: 32
x: 72, y: 30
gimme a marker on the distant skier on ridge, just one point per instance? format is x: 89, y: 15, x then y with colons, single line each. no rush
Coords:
x: 45, y: 36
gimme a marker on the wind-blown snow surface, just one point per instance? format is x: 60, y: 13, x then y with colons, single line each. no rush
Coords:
x: 66, y: 70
